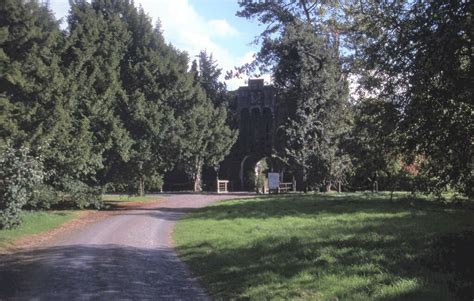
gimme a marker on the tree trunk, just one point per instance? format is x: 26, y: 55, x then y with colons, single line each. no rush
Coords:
x: 197, y: 179
x: 306, y: 11
x: 197, y: 183
x: 305, y: 181
x: 339, y: 186
x: 328, y: 186
x: 376, y: 182
x: 141, y: 186
x: 392, y: 185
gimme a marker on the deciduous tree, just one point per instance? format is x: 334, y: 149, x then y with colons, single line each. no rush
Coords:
x: 419, y: 54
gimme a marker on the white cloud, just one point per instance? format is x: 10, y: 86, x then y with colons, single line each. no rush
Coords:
x: 222, y: 28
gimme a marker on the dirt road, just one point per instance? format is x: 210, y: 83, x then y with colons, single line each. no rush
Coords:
x: 125, y: 256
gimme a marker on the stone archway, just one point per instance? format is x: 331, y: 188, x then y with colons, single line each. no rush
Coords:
x: 247, y: 169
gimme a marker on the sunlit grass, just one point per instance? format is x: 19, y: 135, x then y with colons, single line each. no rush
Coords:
x: 320, y: 247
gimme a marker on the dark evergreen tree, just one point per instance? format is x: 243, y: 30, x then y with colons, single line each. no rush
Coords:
x: 209, y: 74
x: 35, y: 110
x: 30, y: 75
x: 373, y: 145
x: 91, y: 59
x: 107, y: 101
x: 309, y: 77
x: 205, y: 138
x: 159, y: 93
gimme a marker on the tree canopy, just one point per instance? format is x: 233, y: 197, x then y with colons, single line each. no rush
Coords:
x: 106, y: 103
x: 414, y: 56
x: 417, y: 55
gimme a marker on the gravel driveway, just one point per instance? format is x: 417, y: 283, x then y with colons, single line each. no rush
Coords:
x: 126, y: 256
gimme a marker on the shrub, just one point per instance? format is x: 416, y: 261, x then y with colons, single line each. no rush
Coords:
x: 20, y: 173
x: 154, y: 182
x: 76, y: 193
x: 44, y: 197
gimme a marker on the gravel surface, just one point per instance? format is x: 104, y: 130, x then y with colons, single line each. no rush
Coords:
x: 125, y: 256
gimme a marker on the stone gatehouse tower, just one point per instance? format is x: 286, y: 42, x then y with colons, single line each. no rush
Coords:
x: 257, y: 115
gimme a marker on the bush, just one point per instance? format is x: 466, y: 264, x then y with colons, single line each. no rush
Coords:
x: 44, y: 196
x: 154, y: 182
x: 80, y: 194
x: 20, y: 173
x: 72, y: 194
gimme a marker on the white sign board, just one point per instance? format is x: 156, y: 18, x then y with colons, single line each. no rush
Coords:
x: 273, y: 180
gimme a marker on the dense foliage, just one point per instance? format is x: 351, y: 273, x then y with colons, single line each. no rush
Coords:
x: 422, y: 61
x: 410, y: 61
x: 106, y: 104
x: 20, y: 173
x: 207, y: 136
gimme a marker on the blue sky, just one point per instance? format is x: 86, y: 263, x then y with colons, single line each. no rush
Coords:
x: 194, y: 25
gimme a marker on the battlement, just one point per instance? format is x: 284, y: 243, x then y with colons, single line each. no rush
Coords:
x: 256, y: 95
x: 256, y: 84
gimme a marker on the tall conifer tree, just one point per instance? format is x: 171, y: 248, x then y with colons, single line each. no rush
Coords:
x: 30, y: 75
x: 92, y: 56
x: 35, y: 110
x: 206, y: 138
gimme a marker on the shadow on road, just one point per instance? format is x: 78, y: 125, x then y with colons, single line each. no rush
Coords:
x: 106, y: 272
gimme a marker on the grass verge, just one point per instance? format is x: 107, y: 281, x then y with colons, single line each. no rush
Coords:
x: 34, y: 223
x: 329, y: 247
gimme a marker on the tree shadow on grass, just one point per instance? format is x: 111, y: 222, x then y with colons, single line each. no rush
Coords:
x: 397, y: 256
x: 106, y: 272
x: 301, y: 205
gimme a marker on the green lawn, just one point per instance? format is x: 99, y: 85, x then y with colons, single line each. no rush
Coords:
x: 34, y: 223
x: 322, y: 247
x: 128, y: 198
